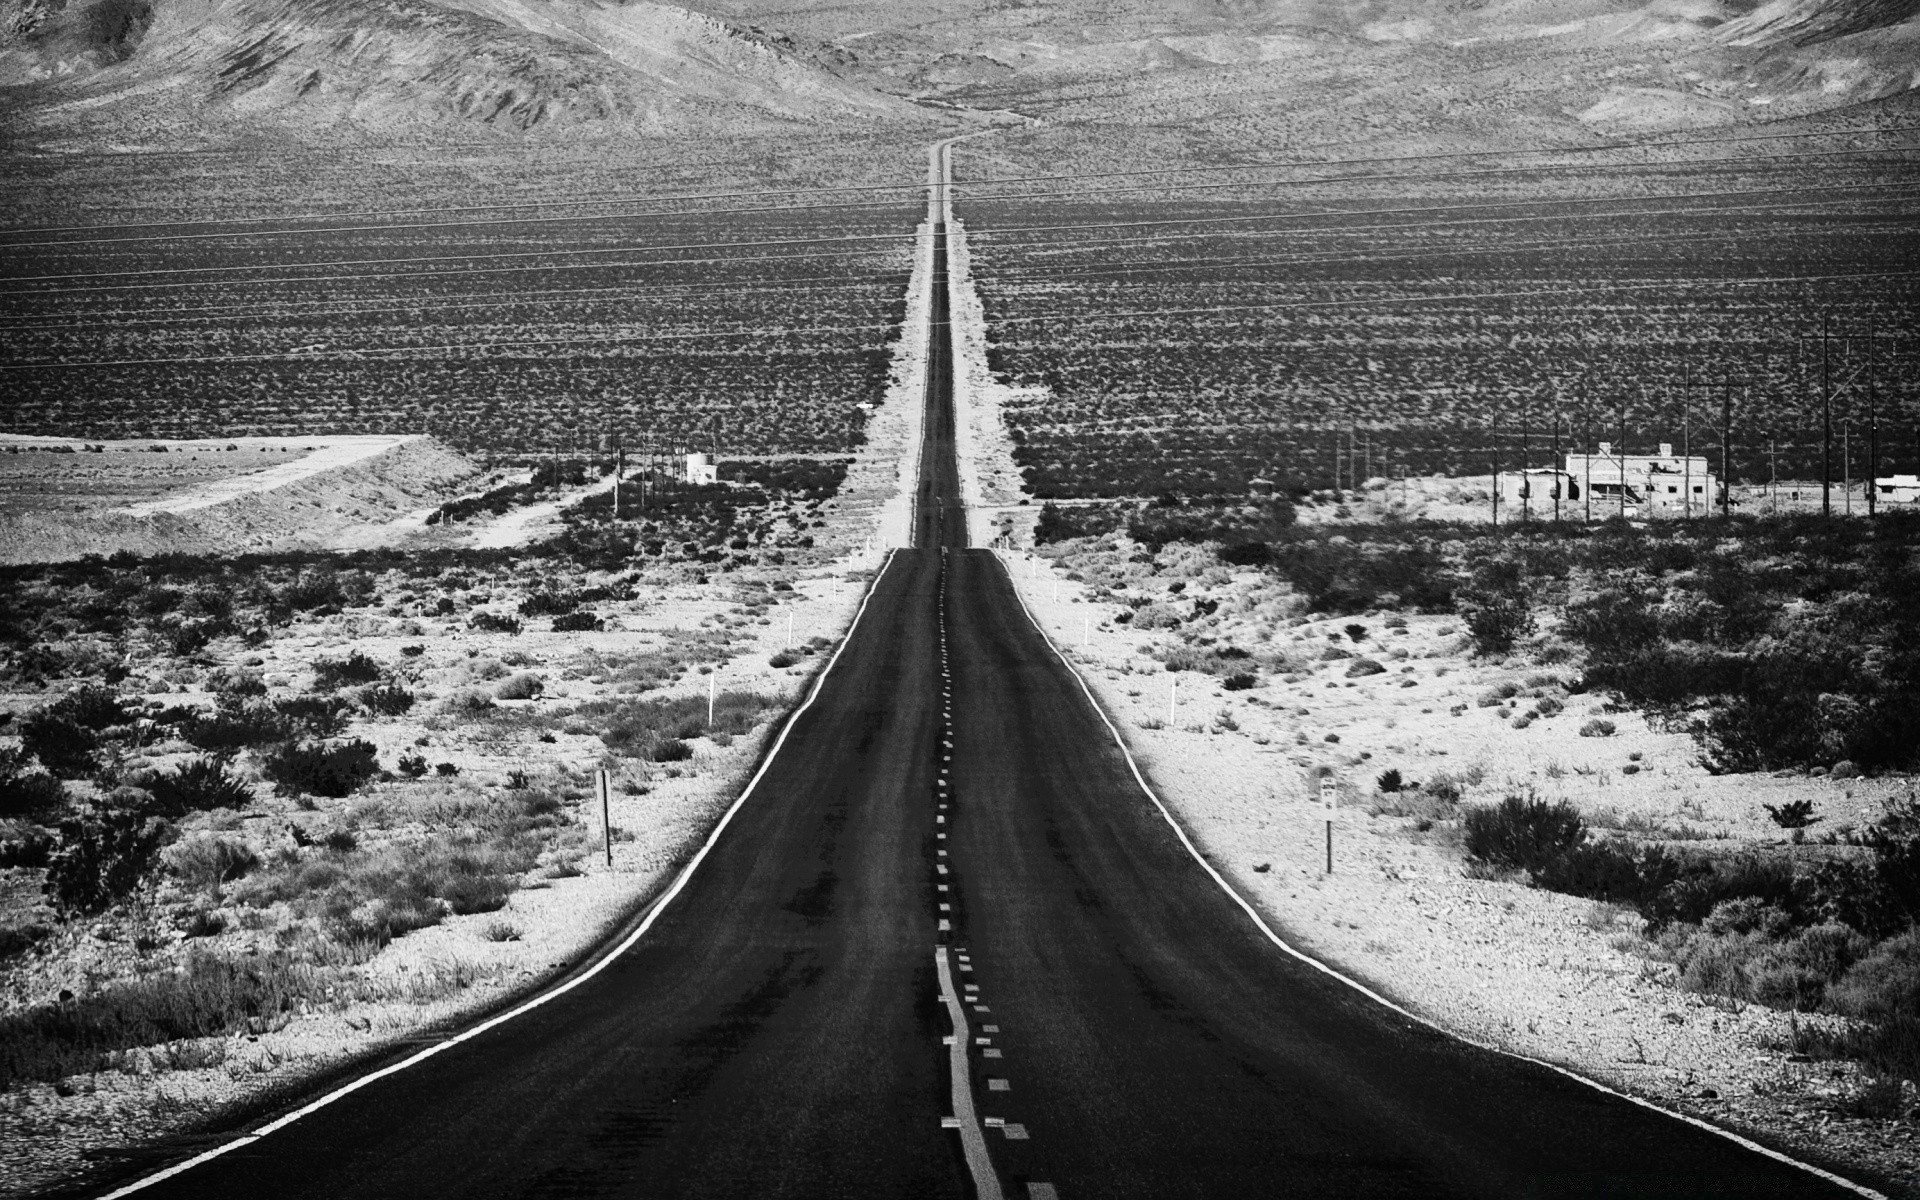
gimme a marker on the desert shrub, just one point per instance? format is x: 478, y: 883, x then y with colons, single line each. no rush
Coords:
x: 578, y: 622
x: 1878, y: 893
x: 372, y: 897
x: 1157, y: 616
x: 333, y: 674
x: 1364, y: 666
x: 386, y: 700
x: 1796, y: 971
x: 1616, y: 873
x: 469, y: 701
x: 486, y: 622
x: 1597, y: 727
x: 549, y: 604
x: 1701, y: 887
x: 209, y: 861
x: 63, y: 745
x: 101, y: 858
x: 636, y: 728
x: 1498, y: 694
x: 1390, y: 780
x: 1339, y: 577
x: 1522, y: 833
x: 234, y: 725
x: 1496, y: 620
x: 782, y: 659
x: 1056, y: 524
x: 313, y: 716
x: 523, y: 686
x: 236, y: 683
x: 1240, y: 681
x: 321, y: 769
x: 26, y: 793
x: 671, y: 750
x: 1884, y: 986
x: 16, y: 940
x: 92, y: 707
x: 206, y: 997
x: 199, y: 786
x: 413, y: 766
x: 1794, y: 814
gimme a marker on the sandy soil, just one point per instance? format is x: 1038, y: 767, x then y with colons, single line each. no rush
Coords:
x: 219, y: 497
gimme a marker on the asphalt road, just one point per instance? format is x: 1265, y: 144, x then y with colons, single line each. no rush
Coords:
x: 778, y: 1031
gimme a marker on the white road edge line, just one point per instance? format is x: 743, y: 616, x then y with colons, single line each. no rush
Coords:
x: 986, y: 1184
x: 1369, y: 993
x: 654, y: 910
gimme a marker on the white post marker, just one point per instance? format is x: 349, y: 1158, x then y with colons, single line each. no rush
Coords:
x: 1173, y: 691
x: 713, y: 682
x: 604, y: 784
x: 1086, y: 632
x: 1326, y: 802
x: 789, y: 628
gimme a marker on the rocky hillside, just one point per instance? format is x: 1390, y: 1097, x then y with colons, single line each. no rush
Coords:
x: 146, y: 71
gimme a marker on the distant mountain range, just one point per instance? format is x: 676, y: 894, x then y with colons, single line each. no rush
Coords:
x: 151, y: 72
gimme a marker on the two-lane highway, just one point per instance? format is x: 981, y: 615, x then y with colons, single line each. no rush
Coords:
x: 778, y: 1029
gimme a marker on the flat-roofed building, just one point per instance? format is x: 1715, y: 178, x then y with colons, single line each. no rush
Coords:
x: 1646, y: 485
x: 1897, y: 489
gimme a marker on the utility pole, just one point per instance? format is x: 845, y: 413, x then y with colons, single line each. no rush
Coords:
x: 1526, y: 492
x: 1726, y: 434
x: 1686, y: 438
x: 1873, y: 438
x: 1555, y: 464
x: 1773, y: 477
x: 1826, y: 435
x: 1493, y: 464
x: 1586, y: 441
x: 1623, y: 460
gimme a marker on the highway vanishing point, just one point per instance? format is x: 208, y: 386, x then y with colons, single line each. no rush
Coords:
x: 946, y: 946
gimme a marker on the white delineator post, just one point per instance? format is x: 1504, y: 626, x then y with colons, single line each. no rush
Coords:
x: 1173, y: 691
x: 604, y: 785
x: 1086, y: 632
x: 713, y: 683
x: 789, y: 628
x: 1326, y: 802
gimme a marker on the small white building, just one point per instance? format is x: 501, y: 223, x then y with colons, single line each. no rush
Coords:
x: 1646, y: 485
x: 1898, y: 489
x: 1534, y: 490
x: 702, y: 469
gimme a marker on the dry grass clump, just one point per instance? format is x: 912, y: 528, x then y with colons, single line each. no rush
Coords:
x: 651, y: 728
x: 207, y: 996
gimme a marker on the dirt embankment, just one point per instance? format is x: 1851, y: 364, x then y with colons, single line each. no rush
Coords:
x: 345, y: 484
